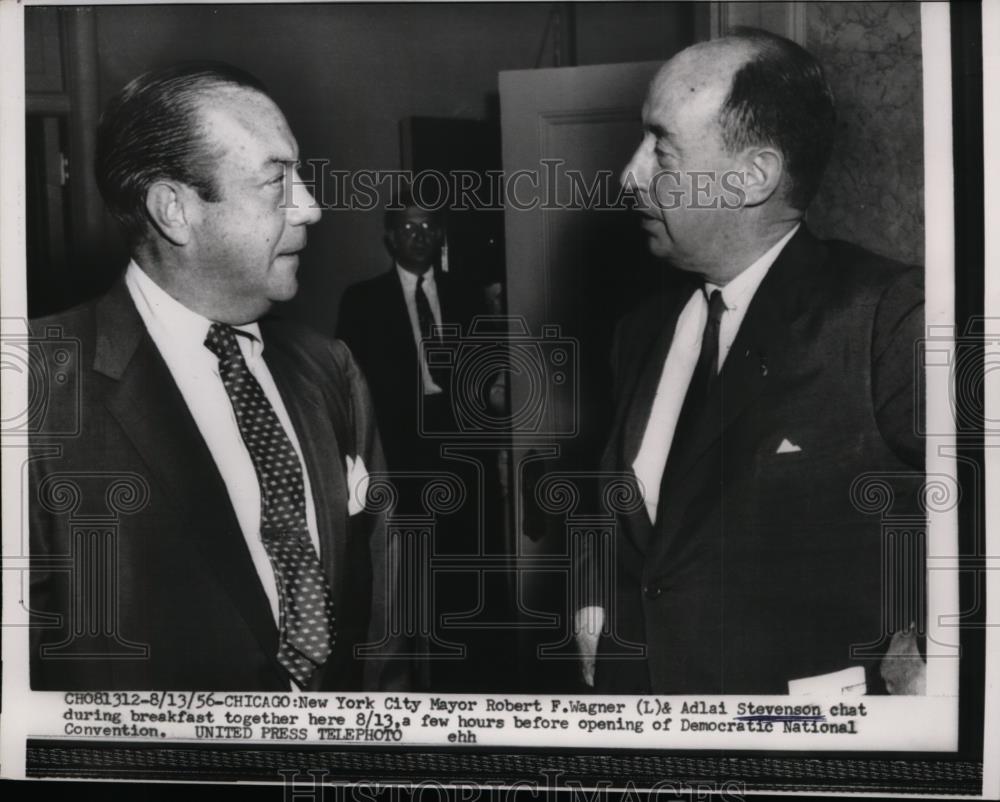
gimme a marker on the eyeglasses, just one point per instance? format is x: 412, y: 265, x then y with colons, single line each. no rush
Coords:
x: 428, y: 229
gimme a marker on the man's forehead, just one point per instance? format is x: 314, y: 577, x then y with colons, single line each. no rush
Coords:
x: 248, y: 124
x: 418, y: 213
x: 698, y: 77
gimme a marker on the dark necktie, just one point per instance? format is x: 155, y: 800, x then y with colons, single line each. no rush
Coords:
x: 705, y: 372
x: 306, y: 609
x: 424, y: 314
x: 426, y: 319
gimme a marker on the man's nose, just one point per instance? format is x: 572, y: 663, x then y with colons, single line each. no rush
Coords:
x: 636, y: 172
x: 303, y: 210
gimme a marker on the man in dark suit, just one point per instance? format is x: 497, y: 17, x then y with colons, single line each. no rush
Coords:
x: 383, y: 321
x: 754, y: 397
x: 207, y: 527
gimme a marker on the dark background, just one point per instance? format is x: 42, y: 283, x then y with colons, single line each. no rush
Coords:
x: 346, y: 77
x: 349, y: 77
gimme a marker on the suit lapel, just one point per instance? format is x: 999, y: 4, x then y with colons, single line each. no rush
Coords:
x: 397, y: 316
x: 756, y: 358
x: 321, y: 452
x: 641, y: 373
x: 448, y: 303
x: 458, y: 306
x: 641, y: 358
x: 146, y: 402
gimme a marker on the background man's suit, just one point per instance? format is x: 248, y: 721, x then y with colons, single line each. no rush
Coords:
x: 185, y: 583
x: 760, y: 569
x: 375, y: 324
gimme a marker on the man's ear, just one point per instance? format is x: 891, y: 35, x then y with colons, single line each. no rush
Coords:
x: 169, y: 206
x: 765, y: 168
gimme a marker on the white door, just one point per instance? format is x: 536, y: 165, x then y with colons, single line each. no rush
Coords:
x: 574, y: 264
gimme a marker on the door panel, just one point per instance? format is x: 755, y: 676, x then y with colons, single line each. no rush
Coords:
x: 575, y: 261
x: 569, y: 259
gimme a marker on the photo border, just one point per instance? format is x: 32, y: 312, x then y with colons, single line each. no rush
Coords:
x: 961, y: 772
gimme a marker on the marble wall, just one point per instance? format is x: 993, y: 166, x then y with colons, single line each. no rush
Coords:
x: 873, y: 190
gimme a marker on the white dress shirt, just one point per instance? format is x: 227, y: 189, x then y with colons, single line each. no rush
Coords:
x: 409, y: 282
x: 179, y: 335
x: 680, y: 363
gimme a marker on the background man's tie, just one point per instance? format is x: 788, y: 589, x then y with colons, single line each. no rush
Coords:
x: 425, y: 317
x: 424, y: 314
x: 306, y: 609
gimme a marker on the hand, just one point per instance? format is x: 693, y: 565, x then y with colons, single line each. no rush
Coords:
x: 497, y: 397
x: 904, y: 671
x: 587, y: 625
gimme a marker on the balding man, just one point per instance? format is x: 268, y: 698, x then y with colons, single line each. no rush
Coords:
x: 206, y: 528
x: 779, y: 371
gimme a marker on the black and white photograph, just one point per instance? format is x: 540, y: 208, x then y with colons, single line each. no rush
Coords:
x: 561, y: 396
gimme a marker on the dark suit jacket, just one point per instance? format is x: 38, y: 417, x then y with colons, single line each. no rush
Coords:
x: 765, y: 566
x: 374, y: 323
x: 138, y: 490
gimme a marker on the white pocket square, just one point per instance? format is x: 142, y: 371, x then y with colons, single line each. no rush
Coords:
x: 357, y: 485
x: 787, y: 447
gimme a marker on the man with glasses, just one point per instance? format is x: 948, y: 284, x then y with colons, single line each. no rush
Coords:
x: 384, y: 319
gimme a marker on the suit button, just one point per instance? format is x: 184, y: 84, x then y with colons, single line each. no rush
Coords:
x: 652, y: 591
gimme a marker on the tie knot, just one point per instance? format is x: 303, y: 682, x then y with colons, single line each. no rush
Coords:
x: 716, y: 306
x: 221, y: 341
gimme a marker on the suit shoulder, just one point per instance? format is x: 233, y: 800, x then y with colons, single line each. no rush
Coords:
x: 75, y: 328
x: 366, y: 288
x: 76, y: 321
x: 869, y: 270
x: 461, y: 301
x: 360, y: 299
x: 647, y: 318
x: 306, y: 342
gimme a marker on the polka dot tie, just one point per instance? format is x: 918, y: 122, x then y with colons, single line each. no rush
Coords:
x: 306, y: 608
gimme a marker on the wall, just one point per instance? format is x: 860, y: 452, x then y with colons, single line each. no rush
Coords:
x: 346, y: 74
x: 873, y: 191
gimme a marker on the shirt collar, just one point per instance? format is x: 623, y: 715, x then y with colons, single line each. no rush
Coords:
x: 738, y: 293
x: 186, y: 328
x: 409, y: 280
